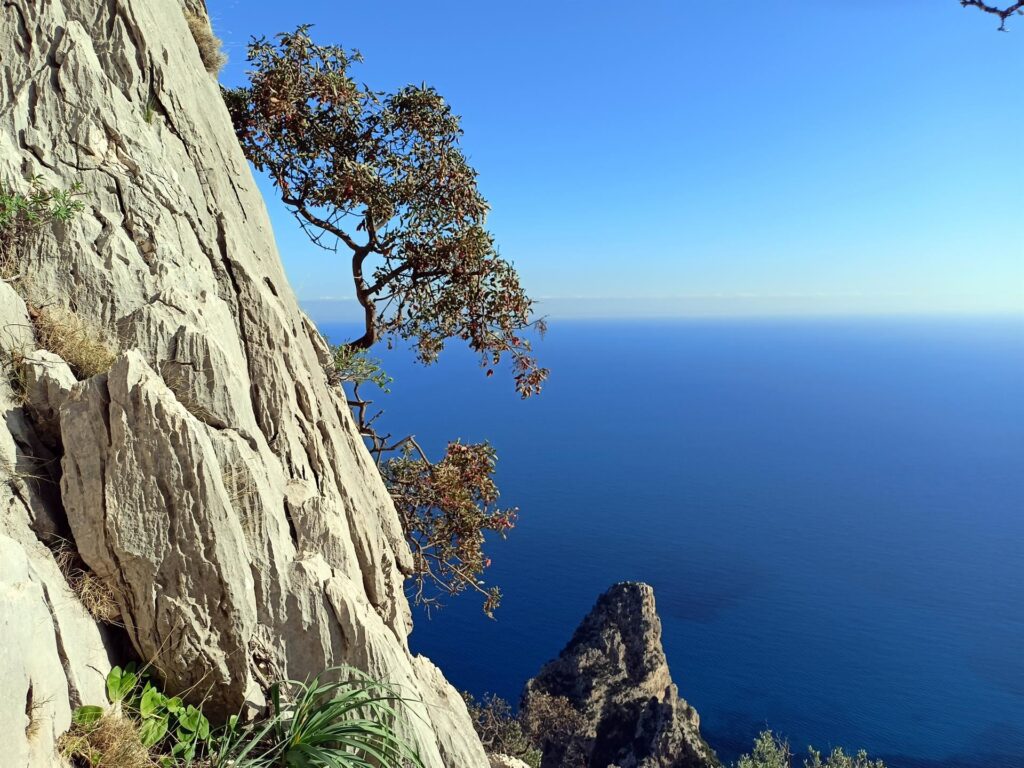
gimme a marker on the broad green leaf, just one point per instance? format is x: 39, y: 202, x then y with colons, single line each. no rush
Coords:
x: 87, y: 715
x: 120, y: 683
x: 152, y: 701
x: 204, y: 727
x: 153, y: 730
x: 190, y: 718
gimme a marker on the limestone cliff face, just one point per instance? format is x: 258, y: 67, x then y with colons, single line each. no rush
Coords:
x: 614, y: 672
x: 211, y: 478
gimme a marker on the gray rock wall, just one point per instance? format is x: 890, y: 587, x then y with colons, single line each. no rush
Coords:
x: 211, y: 478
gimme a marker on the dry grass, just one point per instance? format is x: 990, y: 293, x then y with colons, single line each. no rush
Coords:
x: 11, y: 472
x: 94, y: 593
x: 210, y: 46
x: 239, y: 484
x: 81, y: 345
x: 111, y: 742
x: 34, y: 711
x: 186, y: 391
x: 15, y: 369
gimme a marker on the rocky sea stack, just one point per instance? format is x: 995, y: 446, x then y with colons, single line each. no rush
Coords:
x: 615, y: 674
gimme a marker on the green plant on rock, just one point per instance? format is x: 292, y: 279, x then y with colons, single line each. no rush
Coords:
x: 351, y: 367
x: 170, y: 731
x: 340, y: 719
x: 839, y: 759
x: 24, y: 215
x: 771, y: 751
x: 357, y: 367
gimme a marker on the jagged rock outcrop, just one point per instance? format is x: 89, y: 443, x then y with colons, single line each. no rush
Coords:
x: 211, y: 479
x: 615, y: 674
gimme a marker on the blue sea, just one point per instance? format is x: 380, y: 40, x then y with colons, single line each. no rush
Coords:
x: 831, y: 513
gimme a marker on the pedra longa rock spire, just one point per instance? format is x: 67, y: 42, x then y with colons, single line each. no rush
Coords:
x: 615, y: 675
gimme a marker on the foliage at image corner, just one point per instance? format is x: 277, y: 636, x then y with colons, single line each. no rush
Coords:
x: 550, y: 723
x: 342, y: 718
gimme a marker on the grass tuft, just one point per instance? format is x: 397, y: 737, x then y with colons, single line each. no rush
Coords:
x: 150, y: 111
x: 112, y: 741
x: 94, y: 593
x: 14, y: 365
x: 210, y: 46
x: 68, y: 335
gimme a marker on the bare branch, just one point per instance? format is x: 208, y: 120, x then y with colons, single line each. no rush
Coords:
x: 1003, y: 13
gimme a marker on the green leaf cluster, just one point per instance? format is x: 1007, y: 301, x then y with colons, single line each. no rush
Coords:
x: 41, y: 204
x: 166, y: 724
x: 356, y: 366
x: 23, y: 216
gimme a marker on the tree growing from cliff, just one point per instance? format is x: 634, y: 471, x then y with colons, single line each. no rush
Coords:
x: 383, y: 177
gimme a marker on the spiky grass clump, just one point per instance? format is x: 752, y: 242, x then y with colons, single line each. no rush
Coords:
x: 340, y: 719
x: 210, y: 46
x: 70, y: 336
x: 112, y: 741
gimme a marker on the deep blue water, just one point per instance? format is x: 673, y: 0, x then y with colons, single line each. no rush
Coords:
x: 831, y: 513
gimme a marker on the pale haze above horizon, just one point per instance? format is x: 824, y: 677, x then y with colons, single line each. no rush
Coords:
x: 667, y: 158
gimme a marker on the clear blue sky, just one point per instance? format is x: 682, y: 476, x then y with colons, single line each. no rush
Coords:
x: 707, y: 157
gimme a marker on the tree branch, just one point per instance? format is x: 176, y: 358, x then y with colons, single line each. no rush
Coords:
x: 300, y: 208
x: 365, y: 298
x: 1002, y: 13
